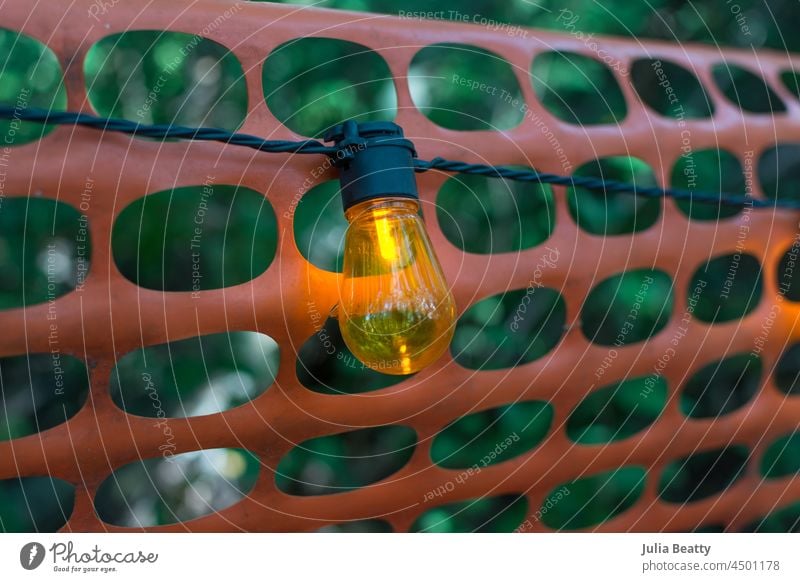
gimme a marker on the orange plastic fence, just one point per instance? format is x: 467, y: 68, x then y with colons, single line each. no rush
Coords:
x: 111, y: 316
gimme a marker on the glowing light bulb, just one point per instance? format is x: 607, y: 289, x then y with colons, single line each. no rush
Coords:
x: 396, y: 313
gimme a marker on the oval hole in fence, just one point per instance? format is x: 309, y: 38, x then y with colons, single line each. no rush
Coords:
x: 361, y: 526
x: 745, y: 89
x: 618, y: 411
x: 320, y: 226
x: 779, y: 172
x: 702, y: 475
x: 155, y: 76
x: 591, y: 500
x: 35, y: 504
x: 721, y: 387
x: 196, y: 376
x: 176, y: 488
x: 726, y: 288
x: 311, y: 84
x: 509, y: 329
x: 345, y: 461
x: 39, y: 391
x: 578, y: 89
x: 791, y: 80
x: 195, y: 238
x: 670, y: 89
x: 486, y: 215
x: 326, y: 365
x: 785, y: 520
x: 788, y: 274
x: 710, y: 170
x: 492, y: 436
x: 782, y: 458
x: 627, y: 308
x: 608, y: 213
x: 30, y: 76
x: 45, y: 250
x: 466, y: 88
x: 710, y: 528
x: 500, y: 514
x: 787, y: 371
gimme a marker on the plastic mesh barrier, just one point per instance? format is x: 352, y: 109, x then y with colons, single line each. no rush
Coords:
x: 110, y: 316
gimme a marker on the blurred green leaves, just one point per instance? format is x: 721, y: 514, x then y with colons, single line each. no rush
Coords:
x: 779, y: 172
x: 610, y: 213
x: 44, y: 250
x: 176, y: 488
x: 670, y: 89
x: 787, y: 371
x: 492, y: 436
x: 577, y: 89
x: 35, y: 504
x: 340, y: 462
x: 311, y: 84
x: 359, y: 526
x: 509, y: 329
x: 486, y: 215
x: 195, y: 238
x: 728, y: 287
x: 594, y: 499
x: 791, y: 79
x: 499, y: 514
x: 709, y: 170
x: 319, y: 226
x: 465, y: 87
x: 627, y: 308
x: 30, y: 76
x: 782, y: 458
x: 39, y: 391
x: 195, y: 376
x: 746, y: 89
x: 702, y: 474
x: 787, y: 278
x: 618, y: 411
x: 152, y: 76
x: 721, y: 387
x: 783, y: 520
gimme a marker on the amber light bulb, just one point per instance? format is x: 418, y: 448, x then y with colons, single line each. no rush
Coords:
x: 396, y: 313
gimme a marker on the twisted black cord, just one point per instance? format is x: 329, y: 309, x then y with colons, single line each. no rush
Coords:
x: 314, y: 147
x: 602, y: 185
x: 165, y: 131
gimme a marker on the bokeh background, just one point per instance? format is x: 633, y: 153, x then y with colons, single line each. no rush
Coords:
x: 312, y: 84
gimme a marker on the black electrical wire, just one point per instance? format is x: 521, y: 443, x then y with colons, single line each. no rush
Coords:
x: 315, y: 147
x: 600, y: 184
x: 165, y: 131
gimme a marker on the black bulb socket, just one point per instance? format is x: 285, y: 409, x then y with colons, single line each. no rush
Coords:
x: 374, y: 161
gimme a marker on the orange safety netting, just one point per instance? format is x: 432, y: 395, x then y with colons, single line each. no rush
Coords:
x: 111, y: 316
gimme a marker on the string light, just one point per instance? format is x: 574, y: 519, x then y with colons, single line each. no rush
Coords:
x: 396, y: 312
x: 310, y: 146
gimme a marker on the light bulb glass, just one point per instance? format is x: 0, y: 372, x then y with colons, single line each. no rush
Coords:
x: 396, y: 313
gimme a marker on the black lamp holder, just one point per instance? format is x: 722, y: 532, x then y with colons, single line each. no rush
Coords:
x: 374, y: 161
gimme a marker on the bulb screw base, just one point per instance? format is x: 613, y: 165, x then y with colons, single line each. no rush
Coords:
x: 374, y: 161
